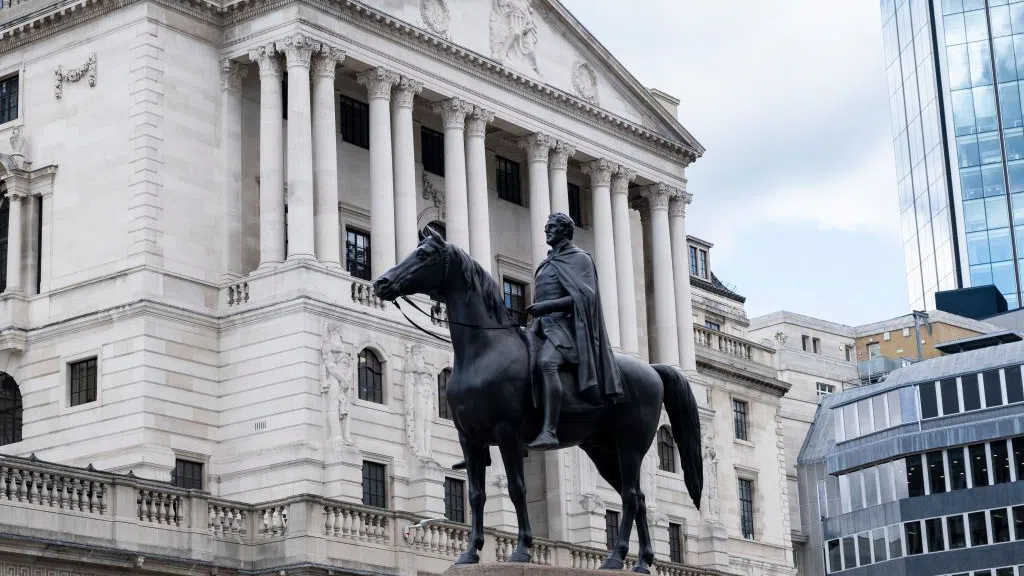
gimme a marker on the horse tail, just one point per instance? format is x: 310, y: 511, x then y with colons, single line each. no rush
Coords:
x: 685, y: 420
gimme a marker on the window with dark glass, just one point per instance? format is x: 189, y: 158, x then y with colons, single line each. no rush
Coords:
x: 187, y: 474
x: 950, y: 397
x: 1018, y: 522
x: 1018, y: 457
x: 1000, y: 462
x: 515, y: 300
x: 739, y: 418
x: 5, y: 218
x: 9, y: 99
x: 575, y: 205
x: 371, y: 377
x: 507, y: 180
x: 675, y: 543
x: 10, y: 411
x: 915, y: 476
x: 864, y: 548
x: 357, y: 253
x: 933, y: 530
x: 849, y: 553
x: 979, y: 528
x: 693, y: 260
x: 929, y: 403
x: 979, y: 464
x: 993, y: 388
x: 805, y: 342
x: 83, y: 381
x: 878, y: 539
x: 914, y: 542
x: 936, y: 472
x: 835, y: 557
x: 1000, y: 526
x: 816, y: 345
x: 432, y: 147
x: 702, y: 263
x: 375, y: 485
x: 443, y: 410
x: 972, y: 396
x: 1014, y: 388
x: 455, y: 499
x: 746, y: 488
x: 957, y: 535
x: 611, y: 528
x: 666, y: 450
x: 957, y: 469
x: 355, y: 122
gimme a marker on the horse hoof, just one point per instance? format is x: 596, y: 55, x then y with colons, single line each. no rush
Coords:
x: 612, y: 564
x: 520, y: 555
x: 641, y: 569
x: 470, y: 556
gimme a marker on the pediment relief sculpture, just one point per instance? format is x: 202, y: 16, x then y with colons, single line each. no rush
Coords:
x: 436, y: 17
x: 514, y: 34
x: 584, y: 81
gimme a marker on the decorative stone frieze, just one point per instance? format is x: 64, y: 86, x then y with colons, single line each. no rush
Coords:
x: 62, y: 75
x: 378, y: 82
x: 537, y: 146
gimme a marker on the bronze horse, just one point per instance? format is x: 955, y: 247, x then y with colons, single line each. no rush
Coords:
x: 490, y: 395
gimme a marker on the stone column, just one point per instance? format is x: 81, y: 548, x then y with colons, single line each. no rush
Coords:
x: 537, y: 147
x: 661, y: 267
x: 624, y: 260
x: 231, y: 75
x: 681, y: 274
x: 406, y: 236
x: 297, y: 50
x: 453, y: 114
x: 600, y: 172
x: 560, y: 155
x: 325, y: 157
x: 271, y: 156
x: 642, y: 206
x: 378, y: 82
x: 476, y: 180
x: 14, y: 233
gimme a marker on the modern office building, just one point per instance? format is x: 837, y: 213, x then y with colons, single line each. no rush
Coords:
x: 922, y: 473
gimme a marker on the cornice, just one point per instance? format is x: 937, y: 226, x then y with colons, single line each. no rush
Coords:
x: 772, y: 386
x: 714, y: 289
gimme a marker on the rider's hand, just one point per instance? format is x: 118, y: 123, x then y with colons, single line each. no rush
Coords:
x: 537, y: 309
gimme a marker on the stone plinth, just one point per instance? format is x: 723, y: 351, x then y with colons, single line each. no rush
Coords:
x: 517, y: 569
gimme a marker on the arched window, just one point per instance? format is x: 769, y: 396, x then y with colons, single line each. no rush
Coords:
x: 442, y: 394
x: 10, y: 411
x: 666, y: 450
x: 371, y: 379
x: 5, y: 219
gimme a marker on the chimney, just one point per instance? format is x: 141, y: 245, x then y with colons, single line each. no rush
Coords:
x: 668, y: 102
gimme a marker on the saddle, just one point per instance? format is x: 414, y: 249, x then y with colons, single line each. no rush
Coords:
x: 573, y: 400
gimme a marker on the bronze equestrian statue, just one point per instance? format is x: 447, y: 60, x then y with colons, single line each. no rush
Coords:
x: 557, y: 383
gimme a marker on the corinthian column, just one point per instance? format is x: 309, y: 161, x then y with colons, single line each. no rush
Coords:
x: 600, y: 172
x: 658, y: 196
x: 297, y: 50
x: 378, y: 82
x: 560, y: 155
x: 14, y: 226
x: 325, y: 157
x: 537, y: 147
x: 231, y: 75
x: 405, y: 166
x: 271, y: 156
x: 681, y: 273
x: 476, y: 180
x: 624, y: 259
x: 453, y: 114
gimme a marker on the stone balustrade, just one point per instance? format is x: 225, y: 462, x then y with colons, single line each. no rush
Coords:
x: 732, y: 346
x: 362, y: 293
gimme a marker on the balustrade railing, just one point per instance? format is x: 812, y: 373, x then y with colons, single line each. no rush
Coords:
x: 446, y: 539
x: 160, y: 507
x: 357, y: 523
x: 732, y: 345
x: 362, y: 293
x: 228, y: 519
x: 51, y: 488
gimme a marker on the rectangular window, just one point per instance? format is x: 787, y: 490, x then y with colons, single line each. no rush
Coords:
x: 979, y: 465
x: 993, y: 388
x: 870, y: 476
x: 957, y: 535
x: 693, y: 260
x: 835, y: 557
x: 805, y: 342
x: 746, y: 489
x: 675, y: 543
x: 1018, y: 457
x: 979, y: 528
x: 972, y: 397
x: 878, y: 412
x: 455, y: 499
x: 432, y: 146
x: 950, y: 397
x: 1000, y: 461
x: 816, y: 345
x: 712, y: 325
x: 702, y: 263
x: 1014, y: 389
x: 825, y: 389
x: 908, y: 405
x: 895, y: 541
x: 374, y: 485
x: 357, y: 253
x: 1000, y: 526
x: 936, y: 540
x: 822, y: 498
x: 9, y: 99
x: 611, y: 528
x: 355, y: 122
x: 864, y: 415
x: 575, y: 205
x: 850, y: 419
x: 507, y: 180
x: 515, y: 300
x: 864, y: 548
x: 915, y: 476
x: 936, y: 472
x: 893, y: 400
x: 1018, y: 522
x: 929, y: 403
x: 739, y: 417
x: 856, y: 491
x: 899, y: 476
x: 885, y: 482
x: 849, y: 553
x: 878, y: 539
x: 957, y: 469
x: 874, y: 350
x: 849, y: 353
x: 188, y: 474
x: 83, y: 381
x: 915, y: 544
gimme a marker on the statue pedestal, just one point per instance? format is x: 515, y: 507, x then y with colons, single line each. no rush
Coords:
x: 426, y: 488
x: 343, y: 474
x: 518, y: 569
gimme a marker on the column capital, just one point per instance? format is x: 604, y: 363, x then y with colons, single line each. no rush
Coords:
x: 16, y: 195
x: 677, y: 203
x: 658, y: 195
x: 537, y: 146
x: 378, y: 82
x: 621, y: 179
x: 600, y: 172
x: 231, y: 75
x: 267, y: 59
x: 453, y: 112
x: 326, y: 59
x: 405, y: 91
x: 560, y: 154
x: 477, y: 121
x: 297, y: 50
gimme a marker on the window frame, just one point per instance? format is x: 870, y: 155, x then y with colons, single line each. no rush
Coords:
x: 189, y: 460
x: 363, y: 389
x: 749, y: 501
x: 65, y: 379
x: 90, y: 366
x: 612, y: 519
x: 508, y: 181
x: 453, y: 497
x: 675, y: 542
x: 444, y: 411
x: 518, y: 316
x: 357, y: 233
x: 432, y: 151
x: 374, y: 465
x: 16, y: 76
x: 741, y: 424
x: 355, y: 129
x: 666, y: 450
x: 829, y: 390
x: 17, y: 411
x: 576, y: 212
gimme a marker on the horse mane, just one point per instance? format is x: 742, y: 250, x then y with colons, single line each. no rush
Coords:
x: 478, y: 279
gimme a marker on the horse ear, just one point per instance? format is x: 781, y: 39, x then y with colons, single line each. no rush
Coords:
x: 430, y: 231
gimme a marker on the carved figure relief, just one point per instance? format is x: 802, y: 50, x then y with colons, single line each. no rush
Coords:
x: 514, y: 34
x: 62, y: 75
x: 419, y: 402
x: 584, y: 80
x: 711, y: 476
x: 336, y: 384
x: 435, y: 16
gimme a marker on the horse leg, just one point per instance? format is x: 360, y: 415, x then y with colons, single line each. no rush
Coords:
x: 629, y: 470
x: 643, y: 533
x: 509, y: 443
x: 476, y: 465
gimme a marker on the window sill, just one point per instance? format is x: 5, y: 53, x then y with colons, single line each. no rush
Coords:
x: 68, y: 409
x: 743, y: 442
x: 12, y: 124
x: 373, y: 406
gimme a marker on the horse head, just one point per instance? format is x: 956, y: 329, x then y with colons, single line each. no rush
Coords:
x: 422, y: 272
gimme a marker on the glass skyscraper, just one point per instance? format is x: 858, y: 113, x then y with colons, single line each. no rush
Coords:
x: 956, y: 76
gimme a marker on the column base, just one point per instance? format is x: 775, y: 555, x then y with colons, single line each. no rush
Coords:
x: 303, y: 257
x: 267, y: 266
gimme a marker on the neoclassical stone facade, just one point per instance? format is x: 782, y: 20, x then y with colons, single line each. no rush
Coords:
x: 193, y: 218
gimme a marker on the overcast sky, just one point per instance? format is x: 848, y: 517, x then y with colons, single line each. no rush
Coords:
x: 797, y: 188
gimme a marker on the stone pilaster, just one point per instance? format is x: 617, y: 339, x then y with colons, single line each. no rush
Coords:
x: 406, y: 236
x: 537, y: 148
x: 453, y: 115
x: 298, y: 50
x: 378, y: 82
x: 232, y: 74
x: 664, y: 316
x: 476, y: 181
x: 14, y: 243
x: 327, y: 240
x: 628, y: 327
x: 559, y: 166
x: 271, y: 156
x: 681, y: 274
x: 600, y: 172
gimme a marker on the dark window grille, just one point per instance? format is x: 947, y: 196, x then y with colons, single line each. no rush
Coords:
x: 747, y: 508
x: 666, y: 450
x: 5, y: 219
x: 83, y: 381
x: 374, y: 485
x: 739, y: 416
x: 455, y: 500
x: 443, y: 410
x: 355, y: 122
x: 515, y: 300
x: 371, y: 379
x: 357, y: 253
x: 611, y: 528
x: 507, y: 180
x: 8, y: 99
x: 675, y: 543
x: 575, y: 207
x: 10, y: 411
x: 188, y: 474
x: 432, y: 145
x: 693, y: 260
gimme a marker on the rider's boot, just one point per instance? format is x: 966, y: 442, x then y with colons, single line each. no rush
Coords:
x: 552, y: 407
